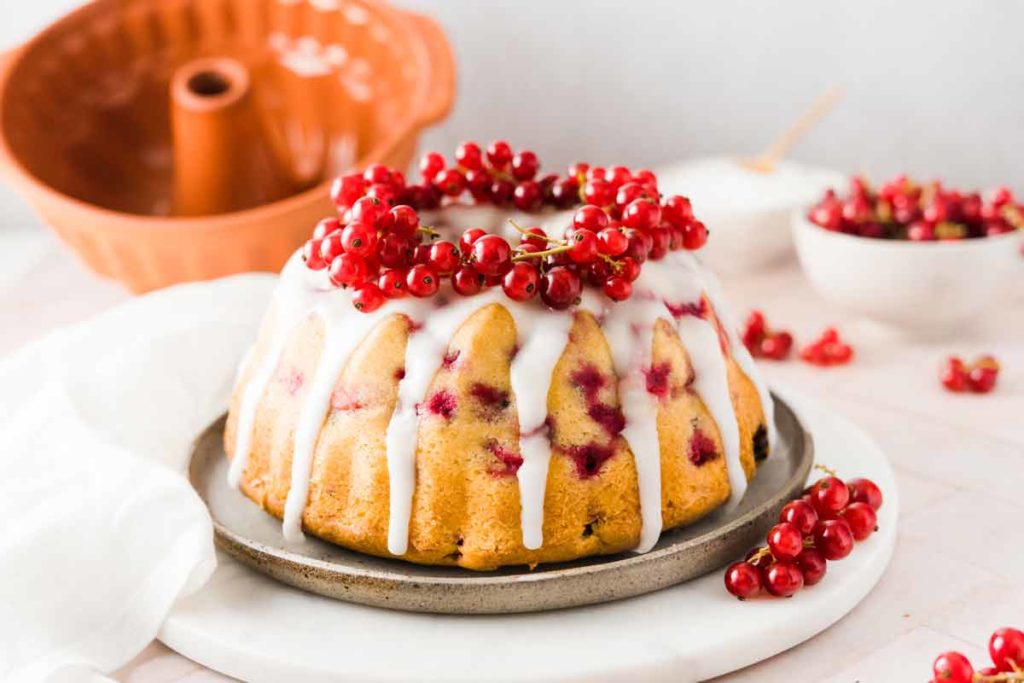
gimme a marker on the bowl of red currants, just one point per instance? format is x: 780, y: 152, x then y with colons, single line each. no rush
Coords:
x: 923, y: 258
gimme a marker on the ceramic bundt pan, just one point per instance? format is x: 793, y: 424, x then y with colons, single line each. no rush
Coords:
x: 176, y: 140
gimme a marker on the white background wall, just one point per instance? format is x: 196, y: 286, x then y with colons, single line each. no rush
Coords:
x: 932, y: 87
x: 935, y: 88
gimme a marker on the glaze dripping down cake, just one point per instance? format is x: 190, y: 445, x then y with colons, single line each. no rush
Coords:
x: 483, y: 431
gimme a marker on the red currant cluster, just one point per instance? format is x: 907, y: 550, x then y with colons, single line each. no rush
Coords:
x: 828, y: 349
x: 817, y: 528
x: 378, y: 247
x: 903, y: 209
x: 1005, y: 647
x: 979, y: 377
x: 764, y: 342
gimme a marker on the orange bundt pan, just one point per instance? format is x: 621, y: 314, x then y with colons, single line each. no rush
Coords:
x: 179, y: 140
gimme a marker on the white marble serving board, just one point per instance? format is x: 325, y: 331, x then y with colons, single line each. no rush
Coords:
x: 248, y: 626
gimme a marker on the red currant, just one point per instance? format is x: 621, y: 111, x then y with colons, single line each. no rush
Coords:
x: 450, y: 181
x: 660, y: 241
x: 953, y: 374
x: 468, y: 238
x: 865, y: 491
x: 392, y: 283
x: 431, y: 164
x: 331, y: 247
x: 829, y: 495
x: 812, y: 565
x: 492, y: 255
x: 348, y: 270
x: 629, y: 192
x: 564, y: 192
x: 394, y: 251
x: 444, y: 257
x: 618, y: 288
x: 528, y: 196
x: 590, y: 217
x: 346, y: 189
x: 801, y: 515
x: 612, y: 242
x: 695, y: 235
x: 560, y: 288
x: 629, y: 268
x: 467, y: 281
x: 584, y: 246
x: 499, y: 154
x: 479, y: 184
x: 368, y: 210
x: 521, y: 282
x: 1006, y: 647
x: 502, y: 192
x: 535, y: 236
x: 326, y: 227
x: 469, y: 156
x: 400, y: 220
x: 579, y: 171
x: 368, y: 298
x: 359, y: 238
x: 953, y: 667
x: 833, y: 538
x: 783, y: 579
x: 599, y: 192
x: 377, y: 173
x: 743, y: 580
x: 641, y: 214
x: 983, y: 375
x: 524, y: 165
x: 862, y: 520
x: 311, y: 255
x: 422, y: 281
x: 677, y: 210
x: 785, y: 541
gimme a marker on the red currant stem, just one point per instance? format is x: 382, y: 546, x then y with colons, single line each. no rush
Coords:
x: 761, y: 553
x: 541, y: 254
x: 826, y: 469
x: 808, y: 541
x: 524, y: 231
x: 1009, y: 676
x: 429, y: 231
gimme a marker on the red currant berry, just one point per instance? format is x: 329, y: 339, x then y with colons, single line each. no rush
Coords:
x: 386, y: 194
x: 359, y: 238
x: 450, y: 181
x: 422, y: 281
x: 468, y: 238
x: 660, y: 240
x: 833, y: 538
x: 331, y: 246
x: 677, y: 210
x: 695, y: 235
x: 499, y: 154
x: 377, y: 173
x: 646, y: 177
x: 479, y: 184
x: 469, y: 156
x: 953, y: 667
x: 782, y: 579
x: 560, y: 288
x: 830, y: 494
x: 583, y: 245
x: 618, y: 176
x: 431, y: 164
x: 642, y: 214
x: 564, y: 193
x: 629, y: 268
x: 348, y: 270
x: 524, y: 165
x: 394, y: 251
x: 502, y: 192
x: 401, y: 220
x: 579, y: 171
x: 368, y: 298
x: 1006, y: 647
x: 346, y: 189
x: 630, y: 192
x: 920, y: 231
x: 528, y: 196
x: 311, y: 255
x: 865, y: 491
x: 521, y: 282
x: 618, y: 288
x: 862, y: 520
x: 590, y: 217
x: 535, y: 236
x: 392, y: 283
x: 983, y: 375
x: 612, y: 242
x: 492, y: 255
x: 953, y: 374
x: 599, y: 192
x: 368, y: 210
x: 785, y: 541
x: 638, y: 246
x: 812, y: 565
x: 743, y: 580
x: 326, y: 227
x: 444, y: 257
x: 467, y: 282
x: 801, y: 515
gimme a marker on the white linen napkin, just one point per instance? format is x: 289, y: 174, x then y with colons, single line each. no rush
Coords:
x: 100, y: 532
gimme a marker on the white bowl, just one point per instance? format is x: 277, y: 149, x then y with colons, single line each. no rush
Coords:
x: 746, y: 212
x: 925, y: 288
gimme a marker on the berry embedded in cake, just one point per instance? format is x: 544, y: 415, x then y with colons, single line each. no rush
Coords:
x: 499, y: 368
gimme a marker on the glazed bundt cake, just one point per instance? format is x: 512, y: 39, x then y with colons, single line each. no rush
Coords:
x: 481, y: 405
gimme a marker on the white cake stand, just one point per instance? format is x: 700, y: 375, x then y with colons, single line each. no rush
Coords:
x: 248, y: 626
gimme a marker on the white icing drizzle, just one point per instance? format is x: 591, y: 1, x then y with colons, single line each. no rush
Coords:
x: 542, y: 338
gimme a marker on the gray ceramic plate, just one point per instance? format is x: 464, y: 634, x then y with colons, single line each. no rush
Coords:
x: 254, y: 538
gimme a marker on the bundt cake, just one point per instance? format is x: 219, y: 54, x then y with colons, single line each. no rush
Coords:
x: 481, y: 405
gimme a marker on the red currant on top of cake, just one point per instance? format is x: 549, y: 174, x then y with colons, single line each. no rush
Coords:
x: 495, y: 365
x: 903, y: 209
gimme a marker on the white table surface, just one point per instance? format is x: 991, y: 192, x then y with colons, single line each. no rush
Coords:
x: 958, y: 570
